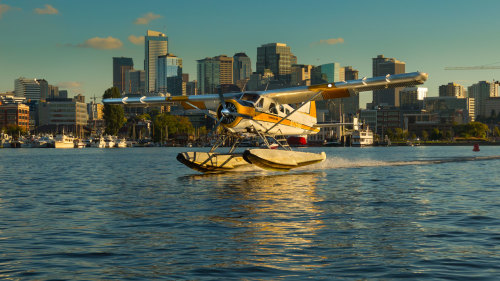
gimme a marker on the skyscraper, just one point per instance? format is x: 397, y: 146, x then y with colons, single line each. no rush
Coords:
x: 242, y: 67
x: 327, y: 73
x: 276, y: 57
x: 169, y: 75
x: 156, y: 44
x: 381, y: 67
x: 452, y: 90
x: 481, y: 91
x: 214, y: 72
x: 120, y: 66
x: 135, y: 82
x: 27, y: 88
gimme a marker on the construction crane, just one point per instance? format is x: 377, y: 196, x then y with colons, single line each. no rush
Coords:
x: 480, y: 67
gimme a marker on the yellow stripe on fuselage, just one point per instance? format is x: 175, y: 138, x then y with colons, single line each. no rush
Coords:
x: 287, y: 122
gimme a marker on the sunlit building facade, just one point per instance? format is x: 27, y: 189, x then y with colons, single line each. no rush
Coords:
x: 156, y: 44
x: 169, y: 75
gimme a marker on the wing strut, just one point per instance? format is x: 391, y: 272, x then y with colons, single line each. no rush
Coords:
x: 295, y: 110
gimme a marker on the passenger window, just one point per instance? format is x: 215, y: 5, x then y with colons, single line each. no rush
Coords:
x: 272, y: 108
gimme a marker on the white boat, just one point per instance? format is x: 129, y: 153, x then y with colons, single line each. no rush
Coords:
x: 360, y: 138
x: 79, y: 144
x: 44, y: 142
x: 109, y: 142
x: 98, y: 142
x: 63, y: 141
x: 121, y: 143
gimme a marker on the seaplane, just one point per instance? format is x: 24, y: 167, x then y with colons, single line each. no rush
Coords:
x: 269, y: 115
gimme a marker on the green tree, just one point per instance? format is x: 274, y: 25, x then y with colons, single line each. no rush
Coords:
x: 166, y: 125
x: 496, y: 131
x: 114, y: 117
x: 436, y: 134
x: 15, y: 130
x: 472, y: 129
x: 425, y: 135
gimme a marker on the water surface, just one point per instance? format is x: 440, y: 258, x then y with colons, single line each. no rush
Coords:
x: 136, y: 213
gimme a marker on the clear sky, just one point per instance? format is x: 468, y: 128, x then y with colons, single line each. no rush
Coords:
x: 71, y: 43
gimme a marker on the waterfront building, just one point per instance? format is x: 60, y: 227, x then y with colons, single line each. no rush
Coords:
x: 412, y: 97
x: 382, y: 66
x: 169, y: 75
x: 242, y: 68
x: 214, y: 72
x: 278, y: 58
x: 481, y: 92
x: 451, y: 109
x: 70, y: 115
x: 301, y: 75
x: 120, y: 66
x: 452, y: 89
x: 492, y: 107
x: 27, y: 88
x: 387, y: 119
x: 135, y: 82
x: 156, y: 44
x: 14, y: 114
x: 369, y: 117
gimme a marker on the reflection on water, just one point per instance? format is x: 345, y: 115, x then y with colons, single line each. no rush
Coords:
x: 277, y: 215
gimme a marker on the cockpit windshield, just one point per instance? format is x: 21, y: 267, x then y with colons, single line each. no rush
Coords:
x: 250, y: 97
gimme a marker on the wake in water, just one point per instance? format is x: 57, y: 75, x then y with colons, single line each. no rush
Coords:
x: 342, y: 163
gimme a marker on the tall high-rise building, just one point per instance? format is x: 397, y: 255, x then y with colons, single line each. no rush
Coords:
x: 277, y: 57
x: 242, y: 67
x: 327, y: 73
x: 350, y: 73
x: 412, y: 97
x: 54, y: 92
x: 452, y: 90
x: 27, y: 88
x: 169, y: 75
x: 120, y: 66
x: 214, y: 72
x: 301, y: 75
x: 44, y: 89
x: 156, y: 44
x: 381, y: 67
x: 135, y: 82
x: 481, y: 91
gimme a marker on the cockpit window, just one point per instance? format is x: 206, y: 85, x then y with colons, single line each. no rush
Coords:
x: 250, y: 97
x: 260, y: 103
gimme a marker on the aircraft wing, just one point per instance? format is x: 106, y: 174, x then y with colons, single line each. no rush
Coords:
x: 343, y: 89
x: 201, y: 102
x: 284, y: 96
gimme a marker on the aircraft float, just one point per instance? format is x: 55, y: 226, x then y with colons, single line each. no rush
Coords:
x: 270, y: 115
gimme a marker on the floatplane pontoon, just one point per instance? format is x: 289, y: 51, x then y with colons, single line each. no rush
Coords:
x: 269, y: 115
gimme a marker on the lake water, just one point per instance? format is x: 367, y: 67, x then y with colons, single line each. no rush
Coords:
x: 390, y: 213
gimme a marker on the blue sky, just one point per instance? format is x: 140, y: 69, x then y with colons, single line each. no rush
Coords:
x: 71, y: 43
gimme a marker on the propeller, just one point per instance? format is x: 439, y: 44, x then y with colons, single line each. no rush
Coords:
x: 224, y: 112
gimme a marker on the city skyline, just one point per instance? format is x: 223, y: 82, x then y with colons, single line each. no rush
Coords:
x: 71, y: 44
